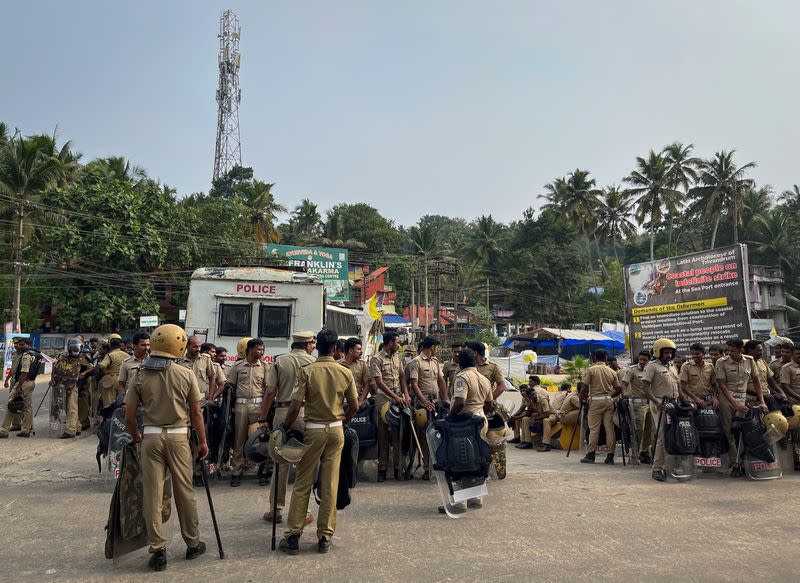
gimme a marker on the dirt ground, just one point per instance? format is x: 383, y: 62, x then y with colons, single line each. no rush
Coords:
x: 552, y: 519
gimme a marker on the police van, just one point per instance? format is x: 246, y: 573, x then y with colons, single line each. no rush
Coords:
x: 227, y: 304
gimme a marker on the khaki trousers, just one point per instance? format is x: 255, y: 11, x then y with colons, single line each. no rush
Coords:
x: 726, y: 413
x: 243, y: 415
x: 525, y: 430
x: 388, y: 439
x: 282, y: 469
x: 162, y: 452
x: 660, y: 454
x: 601, y: 412
x: 24, y: 419
x: 71, y: 404
x: 108, y: 389
x: 517, y: 429
x: 83, y: 402
x: 325, y: 451
x: 644, y: 426
x: 568, y: 420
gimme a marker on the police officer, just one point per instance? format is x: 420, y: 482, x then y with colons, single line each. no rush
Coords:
x: 566, y: 414
x: 249, y: 378
x: 784, y: 357
x: 323, y: 386
x: 386, y: 370
x: 773, y: 394
x: 734, y: 372
x: 281, y: 381
x: 141, y: 348
x: 424, y: 375
x: 170, y: 399
x: 659, y: 381
x: 220, y: 372
x: 22, y: 380
x: 472, y: 394
x: 698, y: 380
x: 536, y: 413
x: 599, y: 385
x: 522, y: 411
x: 358, y: 367
x: 198, y: 360
x: 110, y: 366
x: 488, y: 368
x: 450, y: 368
x: 640, y: 405
x: 66, y: 372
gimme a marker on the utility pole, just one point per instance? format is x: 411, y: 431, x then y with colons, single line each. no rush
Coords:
x: 20, y: 213
x: 425, y: 268
x: 437, y: 313
x: 413, y: 300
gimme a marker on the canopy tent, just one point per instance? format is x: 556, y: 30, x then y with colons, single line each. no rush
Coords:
x: 394, y: 321
x: 566, y: 343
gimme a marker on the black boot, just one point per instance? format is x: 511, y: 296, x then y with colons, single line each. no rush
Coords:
x: 290, y: 545
x: 588, y: 458
x: 644, y: 458
x: 609, y: 459
x: 194, y: 552
x: 381, y: 475
x: 158, y: 560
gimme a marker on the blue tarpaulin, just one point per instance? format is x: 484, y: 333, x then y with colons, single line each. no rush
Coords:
x: 567, y: 343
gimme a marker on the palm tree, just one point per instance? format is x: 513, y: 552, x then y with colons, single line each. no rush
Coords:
x: 653, y: 185
x: 120, y: 168
x: 613, y: 224
x: 721, y: 184
x: 682, y: 175
x: 485, y: 247
x: 791, y: 199
x: 756, y: 202
x: 335, y: 235
x: 262, y: 209
x: 306, y: 220
x: 774, y: 238
x: 28, y: 169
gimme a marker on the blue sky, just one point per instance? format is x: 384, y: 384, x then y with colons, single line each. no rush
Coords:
x: 449, y: 107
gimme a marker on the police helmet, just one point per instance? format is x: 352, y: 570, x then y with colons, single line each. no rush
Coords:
x: 420, y: 417
x: 16, y: 404
x: 661, y: 344
x: 74, y: 347
x: 776, y: 422
x: 241, y: 347
x: 168, y: 341
x: 390, y: 414
x: 792, y: 414
x: 256, y: 448
x: 286, y: 447
x: 114, y: 336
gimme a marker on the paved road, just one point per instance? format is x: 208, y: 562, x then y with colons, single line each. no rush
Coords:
x: 552, y: 519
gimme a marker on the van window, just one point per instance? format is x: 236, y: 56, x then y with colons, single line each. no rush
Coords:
x: 235, y: 319
x: 273, y: 321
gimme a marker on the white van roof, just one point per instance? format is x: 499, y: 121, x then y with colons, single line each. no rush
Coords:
x: 255, y: 274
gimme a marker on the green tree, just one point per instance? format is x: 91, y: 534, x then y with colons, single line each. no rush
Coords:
x: 613, y: 222
x: 361, y: 226
x: 306, y: 222
x: 682, y: 174
x: 654, y: 188
x: 120, y: 168
x: 262, y: 209
x: 720, y: 185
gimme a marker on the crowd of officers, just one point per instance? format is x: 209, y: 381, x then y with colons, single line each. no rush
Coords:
x: 729, y: 379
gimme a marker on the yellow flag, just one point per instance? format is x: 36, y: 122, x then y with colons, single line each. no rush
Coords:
x: 371, y: 308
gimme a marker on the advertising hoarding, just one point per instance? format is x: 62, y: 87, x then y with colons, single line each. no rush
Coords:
x: 700, y: 297
x: 330, y: 264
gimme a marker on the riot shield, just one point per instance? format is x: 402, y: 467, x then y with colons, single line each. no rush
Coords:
x: 227, y: 431
x: 764, y: 463
x: 126, y: 528
x: 58, y: 411
x: 457, y: 495
x: 118, y: 438
x: 711, y: 457
x: 627, y: 428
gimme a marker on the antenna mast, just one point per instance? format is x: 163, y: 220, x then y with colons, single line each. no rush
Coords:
x: 228, y: 151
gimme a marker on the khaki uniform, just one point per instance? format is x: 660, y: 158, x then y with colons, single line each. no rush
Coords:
x: 663, y: 381
x: 640, y: 406
x: 324, y: 386
x: 283, y: 375
x: 790, y: 376
x: 20, y: 385
x: 249, y: 381
x: 87, y: 392
x: 737, y: 375
x: 427, y: 371
x: 526, y: 405
x: 360, y: 371
x: 165, y: 396
x: 776, y: 366
x: 111, y: 363
x: 203, y: 368
x: 449, y: 372
x: 492, y: 372
x: 128, y: 366
x: 602, y: 381
x: 701, y: 380
x: 388, y: 368
x: 66, y: 372
x: 540, y: 406
x: 764, y: 373
x: 566, y: 413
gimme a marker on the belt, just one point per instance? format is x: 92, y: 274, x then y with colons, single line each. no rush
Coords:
x: 280, y: 404
x: 153, y: 430
x: 254, y: 401
x: 323, y: 425
x: 600, y: 397
x: 639, y: 401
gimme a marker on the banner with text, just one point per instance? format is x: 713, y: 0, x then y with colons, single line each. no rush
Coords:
x: 700, y: 297
x: 327, y: 262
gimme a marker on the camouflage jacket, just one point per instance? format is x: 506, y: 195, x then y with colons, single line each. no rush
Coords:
x: 67, y: 370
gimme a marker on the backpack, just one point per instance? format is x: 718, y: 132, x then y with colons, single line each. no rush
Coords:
x: 462, y: 453
x: 680, y: 434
